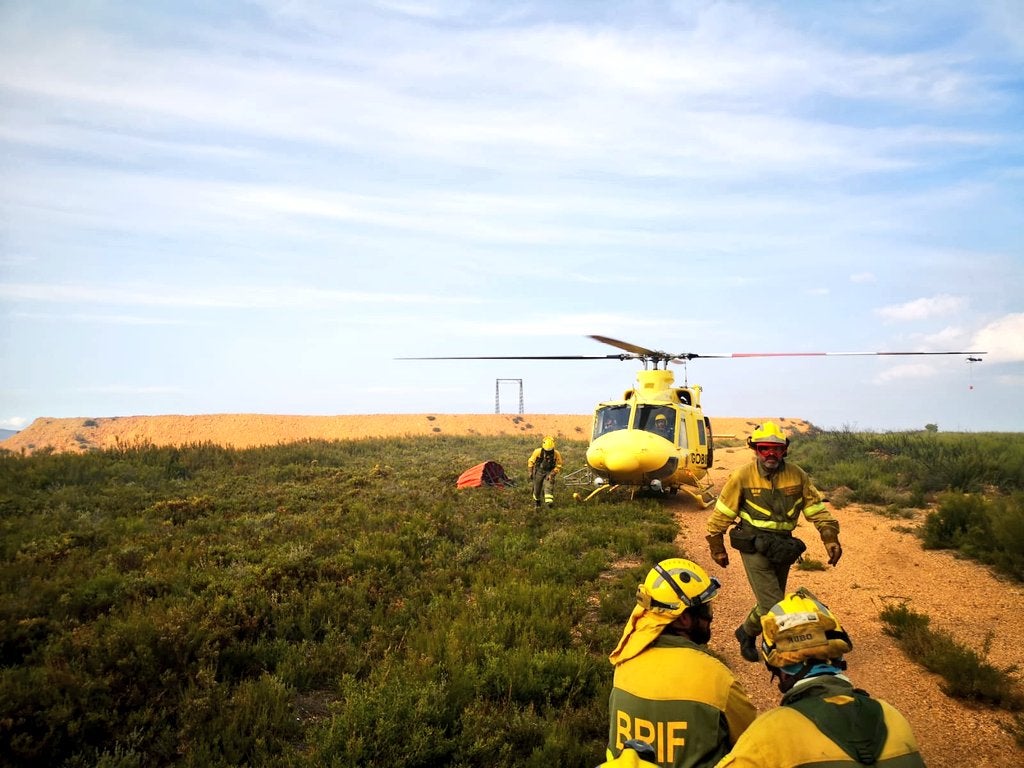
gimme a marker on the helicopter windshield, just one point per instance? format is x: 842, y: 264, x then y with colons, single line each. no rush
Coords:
x: 659, y: 419
x: 610, y: 418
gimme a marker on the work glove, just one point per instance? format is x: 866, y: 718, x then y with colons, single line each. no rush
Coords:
x: 834, y: 552
x: 716, y: 543
x: 830, y: 539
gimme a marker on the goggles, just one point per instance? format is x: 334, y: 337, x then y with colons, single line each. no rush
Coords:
x: 769, y: 448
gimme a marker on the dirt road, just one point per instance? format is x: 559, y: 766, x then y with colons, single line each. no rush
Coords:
x: 883, y: 564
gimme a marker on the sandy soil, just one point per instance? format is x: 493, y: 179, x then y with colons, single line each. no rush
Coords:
x: 882, y: 562
x: 246, y: 430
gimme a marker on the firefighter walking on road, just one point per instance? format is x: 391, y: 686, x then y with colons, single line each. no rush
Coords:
x: 762, y: 503
x: 544, y: 464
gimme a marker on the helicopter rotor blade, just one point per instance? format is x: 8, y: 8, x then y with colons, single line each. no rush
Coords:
x: 650, y: 354
x: 524, y: 357
x: 827, y: 354
x: 636, y: 350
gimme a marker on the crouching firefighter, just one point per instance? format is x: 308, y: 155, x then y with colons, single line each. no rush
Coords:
x: 823, y: 719
x: 668, y: 690
x: 544, y: 464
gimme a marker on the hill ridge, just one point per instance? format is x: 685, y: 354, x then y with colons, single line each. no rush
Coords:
x: 248, y: 430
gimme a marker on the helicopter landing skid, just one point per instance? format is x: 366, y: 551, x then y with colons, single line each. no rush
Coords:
x: 701, y: 492
x: 702, y: 496
x: 584, y: 478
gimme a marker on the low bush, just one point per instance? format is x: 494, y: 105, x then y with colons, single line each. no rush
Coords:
x: 311, y: 604
x: 903, y: 471
x: 988, y: 530
x: 966, y: 673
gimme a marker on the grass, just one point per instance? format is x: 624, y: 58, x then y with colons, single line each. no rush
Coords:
x: 971, y: 486
x: 966, y: 673
x: 809, y: 564
x: 341, y: 603
x: 313, y: 604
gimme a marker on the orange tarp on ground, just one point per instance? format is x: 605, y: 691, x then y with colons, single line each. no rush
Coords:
x: 487, y: 473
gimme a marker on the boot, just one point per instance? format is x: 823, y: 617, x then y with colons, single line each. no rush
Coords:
x: 748, y: 644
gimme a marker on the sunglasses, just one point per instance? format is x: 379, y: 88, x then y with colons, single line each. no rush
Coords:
x: 769, y: 448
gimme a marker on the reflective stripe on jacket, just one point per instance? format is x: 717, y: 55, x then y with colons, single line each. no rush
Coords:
x: 772, y: 502
x: 553, y: 460
x: 681, y: 700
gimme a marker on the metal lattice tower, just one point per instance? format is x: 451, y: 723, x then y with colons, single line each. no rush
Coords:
x: 497, y: 394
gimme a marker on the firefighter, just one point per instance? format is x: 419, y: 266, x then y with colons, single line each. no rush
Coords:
x: 668, y: 689
x: 762, y: 502
x: 822, y: 718
x: 544, y: 464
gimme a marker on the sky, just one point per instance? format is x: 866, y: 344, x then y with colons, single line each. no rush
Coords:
x: 257, y: 207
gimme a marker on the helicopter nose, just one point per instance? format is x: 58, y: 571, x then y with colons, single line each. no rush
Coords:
x: 621, y: 462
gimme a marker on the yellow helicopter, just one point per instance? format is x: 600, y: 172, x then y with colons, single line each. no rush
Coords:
x: 655, y: 438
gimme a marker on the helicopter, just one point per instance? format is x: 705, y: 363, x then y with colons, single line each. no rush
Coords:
x: 655, y: 438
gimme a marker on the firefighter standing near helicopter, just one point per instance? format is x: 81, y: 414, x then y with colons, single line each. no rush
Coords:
x: 762, y: 503
x: 668, y: 690
x: 544, y: 464
x: 822, y: 719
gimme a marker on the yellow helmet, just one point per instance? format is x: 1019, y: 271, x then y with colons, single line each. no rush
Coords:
x: 768, y: 432
x: 548, y: 443
x: 674, y: 585
x: 800, y: 628
x: 660, y: 419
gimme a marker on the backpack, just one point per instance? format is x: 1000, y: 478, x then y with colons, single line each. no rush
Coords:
x: 854, y: 721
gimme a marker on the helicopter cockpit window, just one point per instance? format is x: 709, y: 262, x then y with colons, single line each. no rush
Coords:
x: 661, y: 420
x: 611, y: 418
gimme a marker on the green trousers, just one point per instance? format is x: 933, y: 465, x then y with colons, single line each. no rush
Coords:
x: 768, y: 583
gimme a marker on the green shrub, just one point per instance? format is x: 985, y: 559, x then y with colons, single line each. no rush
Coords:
x: 317, y: 603
x: 988, y: 530
x: 967, y: 675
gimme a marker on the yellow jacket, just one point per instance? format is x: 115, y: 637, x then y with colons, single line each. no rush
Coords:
x: 681, y: 700
x: 536, y: 457
x: 770, y: 502
x: 785, y: 738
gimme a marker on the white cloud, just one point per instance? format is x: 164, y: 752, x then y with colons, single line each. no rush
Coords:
x: 99, y: 319
x: 14, y: 422
x: 1003, y: 339
x: 237, y: 297
x: 923, y: 309
x: 905, y: 371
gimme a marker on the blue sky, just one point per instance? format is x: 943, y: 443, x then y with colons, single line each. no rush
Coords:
x: 256, y: 206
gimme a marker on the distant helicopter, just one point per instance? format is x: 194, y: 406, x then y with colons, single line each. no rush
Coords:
x: 655, y: 438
